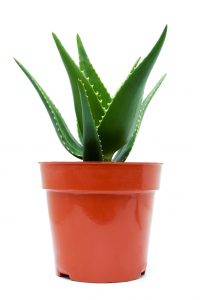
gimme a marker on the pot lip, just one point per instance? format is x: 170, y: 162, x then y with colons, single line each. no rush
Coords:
x: 112, y: 163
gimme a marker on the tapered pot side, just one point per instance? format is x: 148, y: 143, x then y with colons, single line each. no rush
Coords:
x: 100, y: 215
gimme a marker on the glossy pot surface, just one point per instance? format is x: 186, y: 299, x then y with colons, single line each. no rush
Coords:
x: 100, y: 216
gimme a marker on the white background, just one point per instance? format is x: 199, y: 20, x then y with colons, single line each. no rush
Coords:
x: 115, y: 33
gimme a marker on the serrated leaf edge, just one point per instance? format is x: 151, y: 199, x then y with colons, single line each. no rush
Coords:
x: 130, y: 73
x: 96, y: 91
x: 85, y: 57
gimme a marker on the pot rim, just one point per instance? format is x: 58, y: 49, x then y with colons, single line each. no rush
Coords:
x: 99, y: 163
x: 100, y: 176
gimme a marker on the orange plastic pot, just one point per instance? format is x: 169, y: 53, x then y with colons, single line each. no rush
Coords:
x: 100, y: 216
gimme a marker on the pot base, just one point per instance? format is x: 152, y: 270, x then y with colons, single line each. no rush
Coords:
x: 92, y: 280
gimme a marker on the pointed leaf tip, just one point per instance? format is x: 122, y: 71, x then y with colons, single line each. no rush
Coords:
x: 78, y: 37
x: 56, y: 39
x: 165, y: 29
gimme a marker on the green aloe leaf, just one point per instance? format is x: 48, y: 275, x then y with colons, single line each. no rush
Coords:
x: 59, y: 124
x: 91, y: 143
x: 123, y: 153
x: 75, y: 74
x: 89, y: 71
x: 117, y: 125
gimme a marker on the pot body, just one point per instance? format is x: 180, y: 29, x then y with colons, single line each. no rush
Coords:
x: 100, y: 215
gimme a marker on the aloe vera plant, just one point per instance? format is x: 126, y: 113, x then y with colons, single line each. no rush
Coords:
x: 107, y: 126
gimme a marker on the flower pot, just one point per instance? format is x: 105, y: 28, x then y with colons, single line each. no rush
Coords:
x: 100, y: 215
